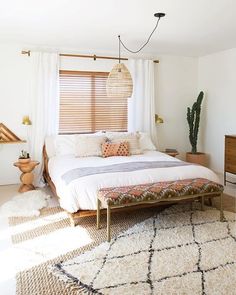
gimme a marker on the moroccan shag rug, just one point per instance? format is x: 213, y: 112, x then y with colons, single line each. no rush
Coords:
x: 178, y: 251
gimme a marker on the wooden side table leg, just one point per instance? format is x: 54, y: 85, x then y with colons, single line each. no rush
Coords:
x: 25, y: 188
x: 26, y: 179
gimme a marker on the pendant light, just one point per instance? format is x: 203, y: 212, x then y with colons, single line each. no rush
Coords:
x: 119, y: 81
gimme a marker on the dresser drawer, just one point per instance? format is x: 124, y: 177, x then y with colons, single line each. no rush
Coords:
x: 230, y: 168
x: 230, y: 148
x: 229, y: 159
x: 230, y: 143
x: 230, y: 152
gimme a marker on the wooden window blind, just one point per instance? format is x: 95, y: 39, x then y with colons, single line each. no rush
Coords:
x: 85, y: 106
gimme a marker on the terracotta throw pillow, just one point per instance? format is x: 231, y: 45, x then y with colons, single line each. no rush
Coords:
x: 115, y: 149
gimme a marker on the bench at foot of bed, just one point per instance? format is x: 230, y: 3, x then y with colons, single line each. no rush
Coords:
x: 152, y: 193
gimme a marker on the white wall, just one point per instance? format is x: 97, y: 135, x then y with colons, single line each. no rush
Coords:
x: 14, y: 104
x: 176, y: 89
x: 217, y: 78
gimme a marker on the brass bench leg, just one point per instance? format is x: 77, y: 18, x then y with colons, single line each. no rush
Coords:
x: 108, y: 223
x: 98, y: 213
x: 210, y: 201
x: 203, y: 203
x: 221, y: 208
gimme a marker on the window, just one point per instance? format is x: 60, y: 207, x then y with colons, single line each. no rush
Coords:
x: 85, y: 107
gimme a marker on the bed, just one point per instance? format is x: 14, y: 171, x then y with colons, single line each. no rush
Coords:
x: 77, y: 180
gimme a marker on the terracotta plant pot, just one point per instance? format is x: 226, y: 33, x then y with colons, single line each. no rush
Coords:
x: 198, y: 158
x: 24, y: 161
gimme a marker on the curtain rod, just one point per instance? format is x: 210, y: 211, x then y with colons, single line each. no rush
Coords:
x: 94, y: 57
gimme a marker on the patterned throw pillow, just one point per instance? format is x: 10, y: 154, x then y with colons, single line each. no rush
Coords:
x: 115, y: 149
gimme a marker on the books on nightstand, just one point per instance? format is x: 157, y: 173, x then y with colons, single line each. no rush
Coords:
x: 170, y: 150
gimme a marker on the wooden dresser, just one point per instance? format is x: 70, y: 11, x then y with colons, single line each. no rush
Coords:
x: 230, y: 156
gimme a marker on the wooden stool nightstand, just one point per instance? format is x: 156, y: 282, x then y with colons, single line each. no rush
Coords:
x: 27, y: 177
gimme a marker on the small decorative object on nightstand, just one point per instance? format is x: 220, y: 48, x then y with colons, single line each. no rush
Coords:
x: 24, y: 157
x: 171, y: 152
x: 27, y: 177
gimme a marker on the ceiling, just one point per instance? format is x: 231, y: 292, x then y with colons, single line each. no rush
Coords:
x: 190, y: 27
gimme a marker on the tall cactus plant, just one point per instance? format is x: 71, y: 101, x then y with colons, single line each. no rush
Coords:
x: 193, y: 118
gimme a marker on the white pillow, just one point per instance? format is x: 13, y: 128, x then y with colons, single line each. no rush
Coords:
x: 146, y: 143
x: 65, y: 144
x: 89, y: 145
x: 116, y: 133
x: 58, y: 145
x: 131, y: 137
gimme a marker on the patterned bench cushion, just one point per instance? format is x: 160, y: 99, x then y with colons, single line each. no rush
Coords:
x: 157, y: 190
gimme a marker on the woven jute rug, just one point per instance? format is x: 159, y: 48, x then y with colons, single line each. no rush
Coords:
x: 38, y: 280
x: 181, y: 250
x: 49, y: 239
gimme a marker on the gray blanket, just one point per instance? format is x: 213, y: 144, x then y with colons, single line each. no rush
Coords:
x: 122, y: 167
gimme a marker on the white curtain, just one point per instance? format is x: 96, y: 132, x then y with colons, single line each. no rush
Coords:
x: 44, y: 98
x: 141, y: 106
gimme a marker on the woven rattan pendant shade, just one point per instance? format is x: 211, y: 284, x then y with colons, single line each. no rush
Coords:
x: 119, y: 82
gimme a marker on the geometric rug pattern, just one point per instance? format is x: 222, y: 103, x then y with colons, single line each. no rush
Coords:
x: 178, y: 251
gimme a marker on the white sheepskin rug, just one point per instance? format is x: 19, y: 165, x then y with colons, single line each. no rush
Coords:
x: 179, y: 251
x: 25, y: 204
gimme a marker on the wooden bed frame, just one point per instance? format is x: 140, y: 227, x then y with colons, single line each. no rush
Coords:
x: 74, y: 217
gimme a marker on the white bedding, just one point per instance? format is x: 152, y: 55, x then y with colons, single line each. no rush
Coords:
x: 81, y: 193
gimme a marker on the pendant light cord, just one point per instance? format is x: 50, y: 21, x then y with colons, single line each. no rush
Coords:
x: 136, y: 51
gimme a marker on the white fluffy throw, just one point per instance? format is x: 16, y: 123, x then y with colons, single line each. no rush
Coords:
x: 25, y: 204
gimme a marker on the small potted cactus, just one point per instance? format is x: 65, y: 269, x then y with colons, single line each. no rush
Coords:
x: 24, y: 157
x: 193, y: 118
